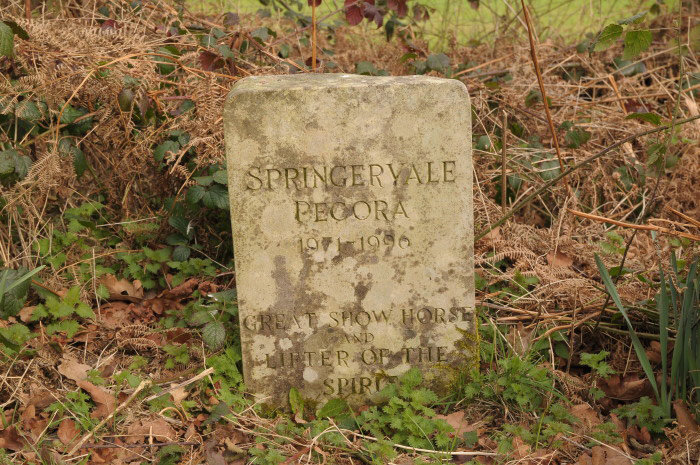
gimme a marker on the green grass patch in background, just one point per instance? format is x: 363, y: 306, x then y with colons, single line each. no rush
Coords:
x: 568, y: 19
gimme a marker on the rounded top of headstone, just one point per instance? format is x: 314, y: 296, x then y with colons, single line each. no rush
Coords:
x: 309, y: 81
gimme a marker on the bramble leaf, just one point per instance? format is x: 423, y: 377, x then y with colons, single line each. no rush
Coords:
x: 636, y: 42
x: 607, y: 37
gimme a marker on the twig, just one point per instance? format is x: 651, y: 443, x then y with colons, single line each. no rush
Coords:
x: 482, y: 65
x: 536, y: 63
x: 136, y: 446
x: 144, y: 384
x: 313, y: 35
x: 504, y: 130
x: 690, y: 220
x: 643, y: 227
x: 206, y: 372
x: 524, y: 202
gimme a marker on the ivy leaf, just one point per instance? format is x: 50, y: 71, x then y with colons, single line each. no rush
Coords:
x: 636, y: 42
x: 607, y: 37
x: 214, y: 334
x: 652, y: 118
x: 7, y: 40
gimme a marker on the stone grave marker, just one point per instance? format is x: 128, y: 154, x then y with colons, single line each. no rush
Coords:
x: 351, y: 206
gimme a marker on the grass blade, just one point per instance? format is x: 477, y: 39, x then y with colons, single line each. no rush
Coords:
x: 636, y: 343
x: 662, y: 305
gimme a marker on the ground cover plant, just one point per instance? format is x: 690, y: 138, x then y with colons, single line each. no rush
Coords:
x: 118, y: 312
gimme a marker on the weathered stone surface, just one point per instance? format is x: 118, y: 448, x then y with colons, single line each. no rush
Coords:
x: 351, y: 206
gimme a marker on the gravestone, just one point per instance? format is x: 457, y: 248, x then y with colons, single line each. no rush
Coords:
x: 351, y: 206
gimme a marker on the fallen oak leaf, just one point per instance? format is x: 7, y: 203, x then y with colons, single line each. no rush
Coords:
x: 105, y: 401
x: 686, y: 422
x: 158, y: 429
x: 586, y: 415
x: 457, y: 421
x: 121, y: 289
x: 73, y: 369
x: 626, y: 388
x: 10, y: 439
x: 559, y: 260
x: 67, y: 431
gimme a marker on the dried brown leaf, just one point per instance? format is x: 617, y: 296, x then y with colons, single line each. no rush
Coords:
x: 73, y: 369
x: 10, y: 439
x: 121, y: 289
x: 686, y: 422
x: 67, y: 431
x: 156, y: 428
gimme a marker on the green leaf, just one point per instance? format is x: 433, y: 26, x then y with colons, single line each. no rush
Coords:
x: 201, y: 317
x: 180, y: 224
x: 79, y: 162
x: 636, y: 343
x: 652, y: 118
x: 261, y: 34
x: 636, y: 19
x: 221, y: 177
x: 167, y: 146
x: 195, y: 194
x: 181, y: 253
x: 229, y: 295
x: 333, y: 408
x: 576, y: 137
x: 296, y: 401
x: 607, y: 37
x: 214, y: 334
x: 365, y: 67
x: 216, y: 197
x: 28, y: 110
x: 70, y: 114
x: 636, y: 42
x: 438, y: 62
x: 17, y: 29
x: 7, y: 40
x: 204, y: 180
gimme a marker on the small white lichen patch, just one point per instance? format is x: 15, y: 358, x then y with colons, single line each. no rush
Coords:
x: 310, y: 375
x: 286, y: 343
